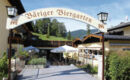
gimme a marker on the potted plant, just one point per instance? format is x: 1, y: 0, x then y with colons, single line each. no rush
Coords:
x: 23, y: 55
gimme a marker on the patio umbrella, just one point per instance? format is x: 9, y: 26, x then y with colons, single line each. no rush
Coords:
x: 31, y: 48
x: 64, y: 48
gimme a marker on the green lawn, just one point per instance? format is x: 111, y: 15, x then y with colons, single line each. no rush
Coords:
x: 51, y: 38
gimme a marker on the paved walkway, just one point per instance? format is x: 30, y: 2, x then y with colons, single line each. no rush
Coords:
x: 55, y: 73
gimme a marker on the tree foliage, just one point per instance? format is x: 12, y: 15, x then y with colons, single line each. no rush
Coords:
x: 88, y: 29
x: 69, y: 36
x: 50, y: 27
x: 48, y: 31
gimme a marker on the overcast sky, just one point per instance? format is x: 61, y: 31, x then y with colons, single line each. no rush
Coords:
x: 117, y: 10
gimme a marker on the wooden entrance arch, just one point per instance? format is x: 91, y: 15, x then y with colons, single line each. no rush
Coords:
x: 54, y: 12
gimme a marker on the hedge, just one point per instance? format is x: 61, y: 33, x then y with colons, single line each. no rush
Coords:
x: 37, y: 61
x: 89, y: 68
x: 118, y: 66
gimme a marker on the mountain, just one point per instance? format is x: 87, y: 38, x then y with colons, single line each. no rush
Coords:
x: 81, y: 33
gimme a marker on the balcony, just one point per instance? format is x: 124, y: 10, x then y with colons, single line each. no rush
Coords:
x: 40, y: 43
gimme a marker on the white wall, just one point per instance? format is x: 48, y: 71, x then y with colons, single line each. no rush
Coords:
x: 3, y: 32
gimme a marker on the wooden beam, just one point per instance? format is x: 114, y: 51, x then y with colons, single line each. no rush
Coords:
x: 92, y: 35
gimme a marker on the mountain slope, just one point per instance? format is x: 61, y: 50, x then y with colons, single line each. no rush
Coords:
x: 81, y: 33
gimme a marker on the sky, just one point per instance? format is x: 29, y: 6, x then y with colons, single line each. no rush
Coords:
x: 118, y: 10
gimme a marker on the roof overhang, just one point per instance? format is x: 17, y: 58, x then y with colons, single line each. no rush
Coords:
x: 91, y: 35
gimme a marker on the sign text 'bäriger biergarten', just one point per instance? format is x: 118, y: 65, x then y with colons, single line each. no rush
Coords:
x: 54, y: 12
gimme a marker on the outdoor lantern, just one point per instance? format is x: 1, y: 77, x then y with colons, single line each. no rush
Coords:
x: 102, y: 16
x: 11, y: 11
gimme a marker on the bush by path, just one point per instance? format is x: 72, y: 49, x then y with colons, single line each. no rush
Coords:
x: 3, y: 66
x: 118, y: 66
x: 89, y: 68
x: 37, y: 61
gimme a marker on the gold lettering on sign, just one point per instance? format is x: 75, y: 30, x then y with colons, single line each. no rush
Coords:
x: 36, y: 14
x: 60, y: 12
x: 29, y: 15
x: 13, y: 22
x: 90, y: 20
x: 101, y: 26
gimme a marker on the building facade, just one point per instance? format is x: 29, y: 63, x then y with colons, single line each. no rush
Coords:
x: 18, y: 33
x: 3, y: 31
x: 117, y: 38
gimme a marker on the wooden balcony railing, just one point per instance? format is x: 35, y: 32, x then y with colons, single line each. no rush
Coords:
x: 39, y: 43
x: 16, y: 40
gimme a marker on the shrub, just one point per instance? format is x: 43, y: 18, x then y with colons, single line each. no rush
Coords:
x: 118, y: 66
x: 22, y: 54
x: 3, y: 65
x: 37, y: 61
x: 89, y: 68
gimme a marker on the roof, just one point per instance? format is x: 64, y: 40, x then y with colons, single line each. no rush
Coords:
x: 18, y: 5
x: 107, y: 37
x: 115, y: 37
x: 121, y: 25
x: 77, y: 39
x: 120, y: 44
x: 21, y: 10
x: 91, y: 35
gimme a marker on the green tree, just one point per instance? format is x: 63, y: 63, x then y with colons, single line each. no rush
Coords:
x: 39, y: 26
x: 46, y: 21
x: 34, y: 27
x: 54, y: 27
x: 48, y: 31
x: 69, y: 36
x: 88, y: 29
x: 62, y: 30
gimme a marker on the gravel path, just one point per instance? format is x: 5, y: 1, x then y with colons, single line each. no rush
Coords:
x: 55, y: 73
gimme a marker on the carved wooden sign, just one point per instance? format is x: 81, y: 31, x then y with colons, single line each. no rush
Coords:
x: 54, y: 12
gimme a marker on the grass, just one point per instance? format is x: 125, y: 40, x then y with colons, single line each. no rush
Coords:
x: 51, y: 38
x: 88, y: 68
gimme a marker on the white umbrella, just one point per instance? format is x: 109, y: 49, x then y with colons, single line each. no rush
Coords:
x: 31, y: 48
x: 64, y: 48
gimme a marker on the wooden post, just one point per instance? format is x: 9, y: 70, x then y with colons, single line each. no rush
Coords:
x: 9, y: 55
x: 102, y: 56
